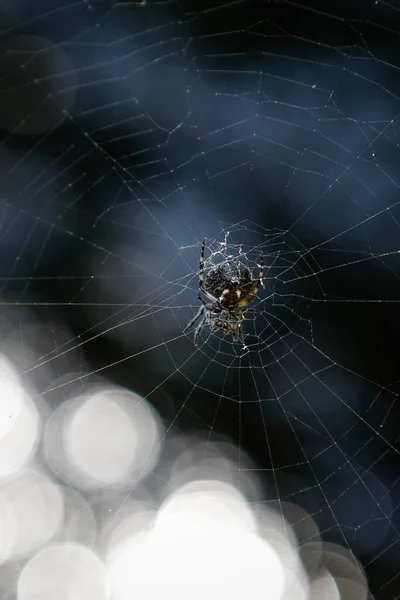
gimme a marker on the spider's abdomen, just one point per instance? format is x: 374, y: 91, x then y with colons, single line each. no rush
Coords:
x: 231, y: 275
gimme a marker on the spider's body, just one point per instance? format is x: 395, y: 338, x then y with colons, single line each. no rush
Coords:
x: 230, y: 287
x: 229, y: 282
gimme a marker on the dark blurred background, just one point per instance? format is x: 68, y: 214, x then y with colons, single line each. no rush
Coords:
x: 131, y: 131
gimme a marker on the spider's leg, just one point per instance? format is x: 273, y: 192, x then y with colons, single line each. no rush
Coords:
x: 201, y: 275
x: 240, y: 328
x: 198, y: 329
x: 201, y: 265
x: 207, y: 310
x: 261, y: 274
x: 209, y: 307
x: 195, y: 318
x: 257, y: 284
x: 210, y: 296
x: 202, y: 311
x: 200, y: 299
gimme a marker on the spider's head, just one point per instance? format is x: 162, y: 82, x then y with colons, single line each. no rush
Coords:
x: 229, y: 322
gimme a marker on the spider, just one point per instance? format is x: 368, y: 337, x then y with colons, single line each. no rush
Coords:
x: 230, y: 287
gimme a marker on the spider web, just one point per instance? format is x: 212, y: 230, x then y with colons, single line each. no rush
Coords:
x: 131, y: 132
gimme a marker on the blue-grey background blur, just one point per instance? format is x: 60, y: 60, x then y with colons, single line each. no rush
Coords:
x: 130, y: 132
